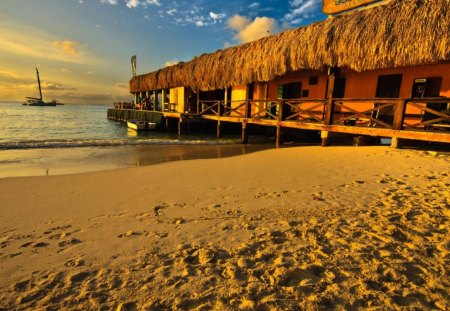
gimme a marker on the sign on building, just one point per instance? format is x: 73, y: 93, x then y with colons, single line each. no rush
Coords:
x: 337, y: 6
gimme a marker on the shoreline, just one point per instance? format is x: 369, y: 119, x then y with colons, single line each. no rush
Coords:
x: 75, y: 160
x: 305, y: 227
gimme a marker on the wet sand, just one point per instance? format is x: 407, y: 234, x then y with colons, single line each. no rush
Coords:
x: 304, y: 228
x: 58, y: 161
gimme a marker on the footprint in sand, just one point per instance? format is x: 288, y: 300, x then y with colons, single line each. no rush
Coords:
x: 71, y: 241
x: 127, y: 306
x: 51, y: 230
x: 26, y: 244
x: 21, y: 286
x: 129, y: 234
x: 40, y: 245
x: 74, y: 262
x: 79, y: 277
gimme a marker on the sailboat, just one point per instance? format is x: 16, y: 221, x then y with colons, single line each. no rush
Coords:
x: 33, y: 101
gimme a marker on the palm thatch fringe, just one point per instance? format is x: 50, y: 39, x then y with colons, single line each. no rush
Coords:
x: 399, y: 34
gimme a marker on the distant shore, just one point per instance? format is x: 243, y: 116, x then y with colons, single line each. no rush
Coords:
x: 283, y: 229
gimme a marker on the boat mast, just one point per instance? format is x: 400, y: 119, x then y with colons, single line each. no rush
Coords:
x: 39, y: 83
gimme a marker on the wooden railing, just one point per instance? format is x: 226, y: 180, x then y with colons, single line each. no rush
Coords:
x: 385, y: 113
x: 434, y: 112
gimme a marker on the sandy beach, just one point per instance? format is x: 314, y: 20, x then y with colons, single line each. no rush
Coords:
x: 304, y: 228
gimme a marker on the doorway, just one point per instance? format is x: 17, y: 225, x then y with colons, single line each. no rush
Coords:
x: 388, y: 86
x: 289, y: 91
x: 428, y: 87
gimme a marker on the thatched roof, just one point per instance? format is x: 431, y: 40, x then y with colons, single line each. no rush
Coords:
x: 398, y: 34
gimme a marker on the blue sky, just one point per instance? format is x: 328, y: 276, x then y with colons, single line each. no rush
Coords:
x: 83, y: 47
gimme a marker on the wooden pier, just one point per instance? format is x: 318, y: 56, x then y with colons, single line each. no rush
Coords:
x: 411, y: 119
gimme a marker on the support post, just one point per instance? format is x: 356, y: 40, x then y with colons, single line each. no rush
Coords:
x: 399, y: 117
x: 244, y: 133
x: 198, y: 102
x: 280, y: 118
x: 219, y: 129
x: 279, y: 141
x: 167, y: 123
x: 248, y: 98
x: 155, y: 100
x: 329, y: 109
x: 325, y: 140
x: 225, y: 100
x: 163, y: 97
x: 180, y: 127
x: 395, y: 142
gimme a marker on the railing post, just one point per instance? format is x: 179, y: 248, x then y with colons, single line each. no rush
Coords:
x: 225, y: 100
x: 329, y: 109
x: 219, y: 104
x: 399, y: 114
x: 198, y: 102
x: 280, y: 118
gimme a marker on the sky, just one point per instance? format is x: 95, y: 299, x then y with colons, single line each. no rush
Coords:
x: 83, y: 48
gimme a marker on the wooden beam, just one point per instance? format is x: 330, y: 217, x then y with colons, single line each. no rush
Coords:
x: 219, y: 130
x: 225, y: 99
x: 328, y: 109
x: 278, y: 142
x: 180, y: 127
x: 198, y: 101
x: 442, y: 136
x: 244, y: 133
x: 399, y: 117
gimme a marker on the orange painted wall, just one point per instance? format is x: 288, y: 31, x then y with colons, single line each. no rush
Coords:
x: 358, y: 85
x: 364, y: 84
x: 315, y: 91
x: 238, y: 96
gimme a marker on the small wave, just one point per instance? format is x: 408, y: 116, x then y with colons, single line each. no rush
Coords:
x: 107, y: 143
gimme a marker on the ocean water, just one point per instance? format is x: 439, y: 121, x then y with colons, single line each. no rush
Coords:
x: 24, y: 127
x: 79, y: 138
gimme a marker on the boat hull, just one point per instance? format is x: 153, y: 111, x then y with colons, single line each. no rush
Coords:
x: 139, y: 125
x: 40, y: 104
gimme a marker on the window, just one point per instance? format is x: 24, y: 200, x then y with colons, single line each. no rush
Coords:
x: 313, y: 80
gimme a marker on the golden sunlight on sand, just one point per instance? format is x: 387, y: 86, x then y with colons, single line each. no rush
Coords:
x: 304, y: 228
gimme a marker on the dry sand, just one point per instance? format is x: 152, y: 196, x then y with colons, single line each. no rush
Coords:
x: 305, y: 228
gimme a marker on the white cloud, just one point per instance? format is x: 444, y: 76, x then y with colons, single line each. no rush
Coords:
x: 254, y: 6
x: 132, y: 3
x: 154, y: 2
x: 171, y: 12
x: 248, y: 31
x: 171, y: 63
x: 302, y: 9
x: 216, y: 16
x: 238, y: 22
x: 112, y: 2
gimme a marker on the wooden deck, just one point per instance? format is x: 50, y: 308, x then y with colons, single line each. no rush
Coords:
x: 412, y: 119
